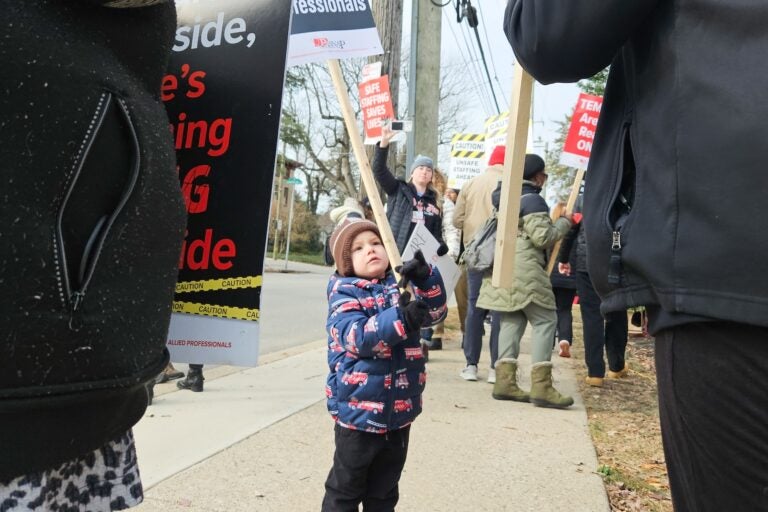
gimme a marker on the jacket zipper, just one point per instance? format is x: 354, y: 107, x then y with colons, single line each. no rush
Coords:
x: 75, y: 287
x: 618, y: 200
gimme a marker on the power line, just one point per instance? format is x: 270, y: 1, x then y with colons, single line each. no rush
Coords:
x: 493, y: 63
x: 467, y: 63
x: 478, y: 70
x: 470, y: 13
x: 474, y: 60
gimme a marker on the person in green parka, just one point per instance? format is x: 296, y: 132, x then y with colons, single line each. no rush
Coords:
x: 530, y: 299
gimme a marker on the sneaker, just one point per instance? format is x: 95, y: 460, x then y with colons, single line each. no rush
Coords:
x: 565, y: 349
x: 469, y: 372
x: 596, y: 382
x: 491, y: 376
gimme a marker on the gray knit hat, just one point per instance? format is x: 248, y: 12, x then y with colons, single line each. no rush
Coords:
x: 422, y: 160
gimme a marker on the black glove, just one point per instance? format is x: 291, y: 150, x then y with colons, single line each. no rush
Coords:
x: 416, y: 270
x: 443, y: 249
x: 415, y: 313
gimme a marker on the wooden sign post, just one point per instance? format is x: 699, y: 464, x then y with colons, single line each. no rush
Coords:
x: 512, y: 179
x: 366, y: 173
x: 568, y: 209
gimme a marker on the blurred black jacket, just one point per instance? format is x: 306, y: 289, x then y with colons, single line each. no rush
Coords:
x: 91, y: 223
x: 677, y: 169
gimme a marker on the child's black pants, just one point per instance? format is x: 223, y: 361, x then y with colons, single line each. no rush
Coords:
x: 366, y: 469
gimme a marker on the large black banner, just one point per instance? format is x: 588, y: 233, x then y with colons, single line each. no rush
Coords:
x: 223, y: 93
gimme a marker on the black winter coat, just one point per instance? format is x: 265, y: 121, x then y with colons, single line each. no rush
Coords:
x: 568, y: 255
x: 92, y: 223
x: 402, y: 200
x: 677, y: 169
x: 573, y: 250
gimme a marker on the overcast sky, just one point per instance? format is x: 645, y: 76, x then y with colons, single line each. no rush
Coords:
x: 459, y: 46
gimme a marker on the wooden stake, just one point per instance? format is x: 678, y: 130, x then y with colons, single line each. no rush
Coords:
x: 568, y: 209
x: 512, y: 179
x: 366, y: 173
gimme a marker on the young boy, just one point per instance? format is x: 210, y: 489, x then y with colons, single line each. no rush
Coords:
x: 377, y: 371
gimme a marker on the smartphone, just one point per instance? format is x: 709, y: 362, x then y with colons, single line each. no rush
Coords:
x: 396, y: 126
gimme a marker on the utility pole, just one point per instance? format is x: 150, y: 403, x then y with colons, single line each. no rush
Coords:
x: 424, y: 79
x: 388, y: 16
x: 292, y: 181
x: 278, y: 221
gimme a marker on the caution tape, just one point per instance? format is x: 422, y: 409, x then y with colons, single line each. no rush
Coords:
x: 230, y: 283
x: 195, y: 308
x: 468, y: 145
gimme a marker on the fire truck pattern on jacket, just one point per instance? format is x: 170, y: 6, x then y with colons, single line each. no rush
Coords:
x: 377, y: 371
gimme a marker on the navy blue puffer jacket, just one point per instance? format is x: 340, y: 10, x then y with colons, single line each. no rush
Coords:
x: 377, y: 371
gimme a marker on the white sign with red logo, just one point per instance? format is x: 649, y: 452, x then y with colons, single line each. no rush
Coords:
x: 376, y: 104
x: 578, y: 143
x: 330, y: 29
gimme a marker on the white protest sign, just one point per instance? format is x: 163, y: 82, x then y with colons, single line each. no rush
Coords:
x: 371, y: 71
x: 322, y: 30
x: 422, y: 239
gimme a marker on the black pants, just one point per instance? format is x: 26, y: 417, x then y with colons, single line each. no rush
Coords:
x: 564, y: 304
x: 366, y: 469
x: 713, y: 405
x: 609, y: 332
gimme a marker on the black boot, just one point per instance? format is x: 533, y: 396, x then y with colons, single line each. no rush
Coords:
x: 194, y: 379
x: 436, y: 344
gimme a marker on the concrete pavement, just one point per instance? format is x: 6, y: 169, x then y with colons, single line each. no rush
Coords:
x: 260, y: 439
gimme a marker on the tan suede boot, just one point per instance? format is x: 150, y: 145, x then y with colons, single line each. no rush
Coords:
x: 506, y: 387
x: 543, y: 393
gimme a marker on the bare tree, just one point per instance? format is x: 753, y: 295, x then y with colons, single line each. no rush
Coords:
x: 313, y: 127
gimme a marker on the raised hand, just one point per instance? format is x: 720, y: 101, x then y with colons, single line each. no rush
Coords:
x: 415, y: 270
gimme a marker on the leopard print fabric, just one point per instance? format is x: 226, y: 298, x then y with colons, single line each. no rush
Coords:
x: 104, y: 480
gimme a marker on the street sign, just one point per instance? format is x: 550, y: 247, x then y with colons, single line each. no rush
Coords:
x: 293, y: 181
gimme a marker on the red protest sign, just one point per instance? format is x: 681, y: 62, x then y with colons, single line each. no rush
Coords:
x: 578, y: 143
x: 376, y: 103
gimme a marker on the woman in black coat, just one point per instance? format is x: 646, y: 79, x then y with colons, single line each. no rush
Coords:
x: 564, y: 287
x: 409, y: 203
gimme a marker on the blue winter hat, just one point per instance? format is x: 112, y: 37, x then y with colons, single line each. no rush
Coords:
x: 422, y: 160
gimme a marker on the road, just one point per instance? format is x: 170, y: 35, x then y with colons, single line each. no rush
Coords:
x: 293, y: 305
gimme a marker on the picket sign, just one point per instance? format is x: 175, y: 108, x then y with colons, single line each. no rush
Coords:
x: 366, y: 173
x: 424, y: 241
x: 512, y: 179
x: 569, y: 210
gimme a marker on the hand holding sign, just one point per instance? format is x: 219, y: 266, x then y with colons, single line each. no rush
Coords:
x: 415, y: 270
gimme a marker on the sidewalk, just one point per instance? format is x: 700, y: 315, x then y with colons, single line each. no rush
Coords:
x: 261, y: 440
